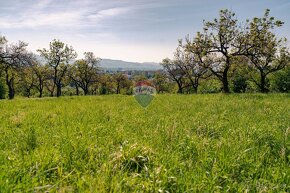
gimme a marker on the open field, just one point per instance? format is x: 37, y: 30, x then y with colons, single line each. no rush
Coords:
x: 180, y: 143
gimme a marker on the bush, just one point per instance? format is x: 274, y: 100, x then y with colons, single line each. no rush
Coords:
x: 103, y: 90
x: 210, y: 86
x: 281, y: 82
x: 2, y: 90
x: 240, y: 84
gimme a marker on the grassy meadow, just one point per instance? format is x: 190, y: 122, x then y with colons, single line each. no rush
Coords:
x: 179, y: 143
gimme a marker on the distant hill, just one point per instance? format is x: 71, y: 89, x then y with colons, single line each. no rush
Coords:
x: 120, y: 65
x: 110, y: 64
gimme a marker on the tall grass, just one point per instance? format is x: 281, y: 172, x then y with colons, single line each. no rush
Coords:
x: 193, y: 143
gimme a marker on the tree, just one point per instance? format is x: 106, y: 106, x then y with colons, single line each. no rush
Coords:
x: 240, y: 75
x: 3, y: 45
x: 191, y: 62
x: 161, y: 82
x: 139, y: 77
x: 239, y: 84
x: 27, y: 80
x: 2, y: 87
x: 282, y: 80
x: 49, y: 81
x: 223, y: 37
x: 189, y: 65
x: 121, y: 81
x: 58, y: 57
x: 267, y: 53
x: 2, y: 90
x: 84, y: 72
x: 12, y: 57
x: 175, y: 73
x: 73, y: 81
x: 41, y: 72
x: 105, y: 84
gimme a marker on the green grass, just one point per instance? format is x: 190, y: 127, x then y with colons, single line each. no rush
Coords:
x: 179, y: 143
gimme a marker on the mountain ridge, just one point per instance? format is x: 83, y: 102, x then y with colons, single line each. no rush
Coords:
x: 121, y: 65
x: 112, y: 64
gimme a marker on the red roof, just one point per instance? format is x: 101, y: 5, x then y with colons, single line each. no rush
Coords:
x: 144, y: 83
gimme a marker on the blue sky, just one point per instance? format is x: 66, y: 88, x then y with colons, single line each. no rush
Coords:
x: 131, y: 30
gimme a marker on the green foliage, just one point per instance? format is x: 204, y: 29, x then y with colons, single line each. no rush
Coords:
x: 103, y: 90
x: 161, y: 83
x: 121, y: 82
x: 69, y: 91
x: 226, y: 45
x: 282, y: 81
x: 2, y: 90
x: 84, y: 72
x: 210, y: 86
x: 267, y: 52
x: 240, y: 84
x: 58, y: 57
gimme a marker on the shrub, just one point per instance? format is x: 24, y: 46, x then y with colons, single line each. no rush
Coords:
x: 281, y: 82
x: 103, y: 90
x: 240, y: 84
x: 210, y: 86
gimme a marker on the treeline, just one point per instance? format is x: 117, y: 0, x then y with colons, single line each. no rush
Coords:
x: 55, y: 72
x: 227, y: 56
x: 241, y: 56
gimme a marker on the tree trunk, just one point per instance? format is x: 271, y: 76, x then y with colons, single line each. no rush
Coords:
x: 40, y: 92
x: 195, y: 84
x: 28, y: 92
x: 77, y: 91
x: 40, y: 88
x: 11, y: 89
x: 263, y: 87
x: 86, y: 90
x: 118, y: 88
x: 94, y: 91
x: 54, y: 81
x: 180, y: 90
x: 58, y: 90
x: 10, y: 84
x: 195, y: 89
x: 225, y: 81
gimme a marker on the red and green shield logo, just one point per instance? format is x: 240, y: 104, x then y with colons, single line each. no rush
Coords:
x: 144, y: 92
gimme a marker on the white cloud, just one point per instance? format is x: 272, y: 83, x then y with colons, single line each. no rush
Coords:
x: 107, y: 13
x: 45, y: 13
x: 40, y: 20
